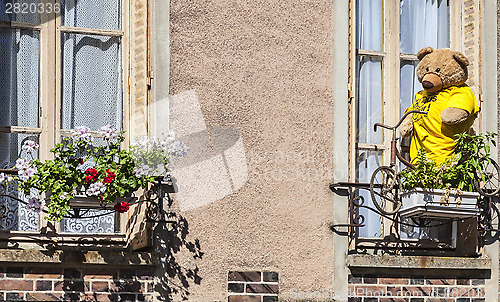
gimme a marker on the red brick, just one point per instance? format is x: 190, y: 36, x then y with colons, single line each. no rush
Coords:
x: 43, y: 297
x: 14, y: 272
x: 100, y: 274
x: 370, y: 291
x: 478, y: 281
x: 25, y: 285
x: 100, y: 286
x: 440, y: 300
x: 393, y: 281
x: 245, y: 276
x: 101, y: 297
x: 463, y: 281
x: 262, y: 288
x: 71, y: 286
x: 43, y: 273
x: 417, y: 291
x: 43, y: 285
x: 440, y: 281
x: 394, y: 290
x: 14, y: 296
x: 393, y: 299
x: 244, y: 298
x: 465, y: 292
x: 127, y: 287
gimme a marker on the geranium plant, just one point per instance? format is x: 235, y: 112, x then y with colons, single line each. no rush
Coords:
x: 104, y: 171
x: 457, y: 172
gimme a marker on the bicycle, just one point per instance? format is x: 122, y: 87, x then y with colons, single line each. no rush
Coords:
x: 385, y: 183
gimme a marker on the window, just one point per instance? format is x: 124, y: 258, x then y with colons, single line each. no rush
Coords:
x: 64, y: 64
x: 385, y: 37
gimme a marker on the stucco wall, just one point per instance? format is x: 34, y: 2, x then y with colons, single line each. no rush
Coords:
x: 263, y: 68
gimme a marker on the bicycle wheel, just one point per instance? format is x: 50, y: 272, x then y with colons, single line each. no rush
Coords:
x: 384, y: 189
x: 490, y: 184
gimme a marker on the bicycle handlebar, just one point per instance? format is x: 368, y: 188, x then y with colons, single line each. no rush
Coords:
x: 400, y: 121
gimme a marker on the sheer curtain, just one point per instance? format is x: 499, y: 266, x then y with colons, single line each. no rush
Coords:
x: 91, y: 85
x: 369, y: 24
x: 19, y: 93
x: 369, y: 103
x: 424, y: 23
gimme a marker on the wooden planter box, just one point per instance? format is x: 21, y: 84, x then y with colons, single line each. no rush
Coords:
x: 420, y: 203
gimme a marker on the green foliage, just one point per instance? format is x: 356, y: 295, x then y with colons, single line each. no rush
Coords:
x: 64, y: 178
x: 458, y: 171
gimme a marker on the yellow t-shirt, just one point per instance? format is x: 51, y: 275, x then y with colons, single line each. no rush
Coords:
x: 429, y: 131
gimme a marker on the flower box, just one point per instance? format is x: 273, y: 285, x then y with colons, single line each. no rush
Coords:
x: 439, y: 204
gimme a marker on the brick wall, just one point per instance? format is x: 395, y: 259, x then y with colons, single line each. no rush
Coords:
x: 253, y: 286
x: 67, y: 284
x: 373, y: 289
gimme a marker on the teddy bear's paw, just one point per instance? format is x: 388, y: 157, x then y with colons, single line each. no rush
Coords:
x: 407, y: 126
x: 454, y: 115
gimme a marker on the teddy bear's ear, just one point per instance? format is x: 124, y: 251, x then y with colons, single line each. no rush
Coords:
x: 423, y: 52
x: 461, y: 58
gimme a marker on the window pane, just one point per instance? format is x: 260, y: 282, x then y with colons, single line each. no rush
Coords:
x: 91, y: 81
x: 369, y: 99
x: 102, y: 14
x: 409, y: 84
x: 19, y: 77
x: 366, y: 163
x: 435, y: 229
x: 424, y: 23
x: 28, y: 11
x: 18, y: 216
x: 104, y: 224
x: 369, y: 21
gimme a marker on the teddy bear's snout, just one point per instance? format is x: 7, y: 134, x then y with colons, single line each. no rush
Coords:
x: 427, y: 84
x: 432, y: 82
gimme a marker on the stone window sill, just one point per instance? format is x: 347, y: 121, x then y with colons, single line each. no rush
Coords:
x: 390, y: 265
x: 76, y: 258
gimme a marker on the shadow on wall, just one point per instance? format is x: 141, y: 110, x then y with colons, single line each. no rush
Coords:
x: 171, y: 240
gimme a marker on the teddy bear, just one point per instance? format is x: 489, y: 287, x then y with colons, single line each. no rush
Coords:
x: 450, y: 104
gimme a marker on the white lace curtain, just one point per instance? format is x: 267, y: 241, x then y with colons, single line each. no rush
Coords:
x: 423, y: 23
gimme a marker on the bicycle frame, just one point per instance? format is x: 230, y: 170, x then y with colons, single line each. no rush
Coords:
x: 394, y: 150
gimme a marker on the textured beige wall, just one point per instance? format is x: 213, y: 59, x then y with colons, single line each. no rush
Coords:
x: 263, y: 68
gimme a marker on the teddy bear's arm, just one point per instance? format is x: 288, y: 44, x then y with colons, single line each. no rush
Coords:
x: 407, y: 126
x: 454, y: 115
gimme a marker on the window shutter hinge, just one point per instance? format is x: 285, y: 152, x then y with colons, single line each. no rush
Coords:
x: 150, y: 82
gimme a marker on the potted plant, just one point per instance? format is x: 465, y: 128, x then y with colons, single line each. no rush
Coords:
x: 451, y: 189
x: 85, y: 171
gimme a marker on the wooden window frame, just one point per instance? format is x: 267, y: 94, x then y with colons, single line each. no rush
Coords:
x: 461, y: 39
x: 50, y: 100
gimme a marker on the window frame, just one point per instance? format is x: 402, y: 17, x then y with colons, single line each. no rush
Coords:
x: 391, y: 66
x: 50, y: 100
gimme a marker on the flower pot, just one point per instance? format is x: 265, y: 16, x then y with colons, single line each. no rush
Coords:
x: 82, y: 201
x: 439, y: 204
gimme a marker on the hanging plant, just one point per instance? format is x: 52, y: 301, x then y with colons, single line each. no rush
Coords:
x: 83, y: 167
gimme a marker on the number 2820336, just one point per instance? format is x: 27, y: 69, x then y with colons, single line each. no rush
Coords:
x: 32, y: 8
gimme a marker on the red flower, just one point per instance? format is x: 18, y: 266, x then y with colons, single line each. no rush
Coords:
x: 80, y: 161
x: 91, y: 171
x: 122, y: 207
x: 91, y: 175
x: 110, y: 177
x: 89, y: 179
